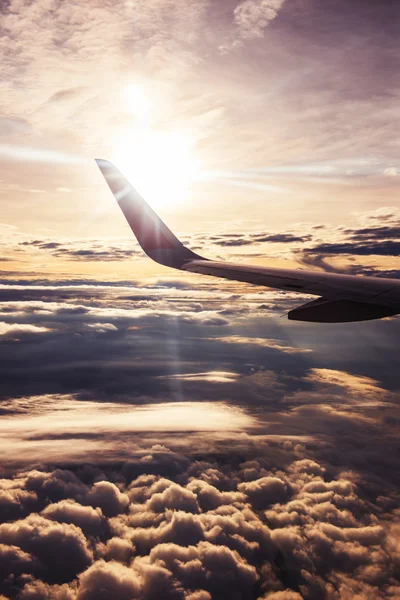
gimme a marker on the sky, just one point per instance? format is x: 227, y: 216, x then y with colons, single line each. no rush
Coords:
x: 169, y: 435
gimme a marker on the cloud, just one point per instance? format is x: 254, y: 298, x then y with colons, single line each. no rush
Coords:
x: 210, y: 376
x: 265, y: 491
x: 251, y: 18
x: 299, y: 526
x: 83, y: 321
x: 284, y: 595
x: 263, y: 343
x: 108, y: 580
x: 89, y: 519
x: 108, y: 497
x: 387, y: 248
x: 377, y: 234
x: 117, y: 549
x: 16, y: 561
x: 103, y: 327
x: 14, y: 127
x: 267, y: 510
x: 37, y: 590
x: 61, y: 547
x: 86, y: 250
x: 20, y: 328
x: 390, y: 172
x: 267, y: 481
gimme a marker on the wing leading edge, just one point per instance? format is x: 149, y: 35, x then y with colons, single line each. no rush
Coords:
x: 344, y: 298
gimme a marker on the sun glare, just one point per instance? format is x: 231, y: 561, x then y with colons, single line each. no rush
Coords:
x: 160, y: 163
x: 136, y: 100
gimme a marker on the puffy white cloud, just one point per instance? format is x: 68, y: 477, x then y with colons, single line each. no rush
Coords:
x: 265, y: 491
x: 198, y: 539
x: 103, y: 581
x: 38, y: 590
x: 118, y: 549
x: 108, y: 497
x: 61, y: 547
x: 16, y: 561
x: 90, y: 520
x: 174, y: 497
x: 216, y: 568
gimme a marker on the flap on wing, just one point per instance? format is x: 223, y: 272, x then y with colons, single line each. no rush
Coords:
x: 323, y: 310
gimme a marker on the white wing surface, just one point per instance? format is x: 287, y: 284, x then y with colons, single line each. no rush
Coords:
x: 342, y: 298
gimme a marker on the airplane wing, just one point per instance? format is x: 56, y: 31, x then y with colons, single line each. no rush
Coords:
x: 342, y: 298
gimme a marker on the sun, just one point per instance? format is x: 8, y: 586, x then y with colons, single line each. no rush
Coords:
x: 136, y: 100
x: 159, y: 162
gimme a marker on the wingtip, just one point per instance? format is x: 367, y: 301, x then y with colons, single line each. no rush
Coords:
x: 102, y: 162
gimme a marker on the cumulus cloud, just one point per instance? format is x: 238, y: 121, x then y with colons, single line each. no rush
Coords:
x: 16, y: 561
x: 61, y: 547
x: 265, y: 491
x: 108, y: 497
x: 108, y: 580
x: 296, y: 528
x: 90, y: 520
x: 38, y: 590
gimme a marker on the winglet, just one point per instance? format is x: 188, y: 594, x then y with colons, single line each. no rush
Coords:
x: 153, y: 235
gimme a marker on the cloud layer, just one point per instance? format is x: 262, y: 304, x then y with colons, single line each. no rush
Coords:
x: 213, y: 529
x: 154, y: 442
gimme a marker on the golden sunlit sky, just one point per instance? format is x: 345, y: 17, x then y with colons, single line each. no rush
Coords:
x: 228, y: 117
